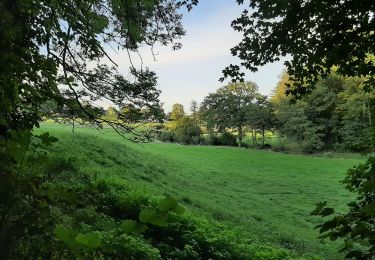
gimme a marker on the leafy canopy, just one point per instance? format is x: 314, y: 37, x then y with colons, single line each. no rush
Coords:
x: 312, y: 35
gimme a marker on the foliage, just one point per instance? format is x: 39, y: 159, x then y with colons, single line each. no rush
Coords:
x: 177, y: 112
x: 225, y: 139
x: 315, y: 34
x: 357, y: 225
x: 228, y: 107
x: 185, y: 131
x: 58, y: 52
x: 335, y: 115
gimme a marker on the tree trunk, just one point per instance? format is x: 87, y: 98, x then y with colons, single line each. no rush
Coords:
x: 239, y: 136
x: 262, y: 136
x: 369, y: 112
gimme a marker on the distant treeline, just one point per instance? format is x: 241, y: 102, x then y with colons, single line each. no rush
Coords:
x: 335, y: 115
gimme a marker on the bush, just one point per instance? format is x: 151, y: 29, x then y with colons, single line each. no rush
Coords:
x: 184, y: 130
x: 285, y: 145
x: 225, y: 139
x: 166, y: 136
x: 187, y: 131
x: 228, y: 139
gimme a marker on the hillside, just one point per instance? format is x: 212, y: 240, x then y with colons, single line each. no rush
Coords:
x: 265, y: 196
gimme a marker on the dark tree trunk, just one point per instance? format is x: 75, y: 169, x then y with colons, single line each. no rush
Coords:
x: 262, y: 136
x: 239, y: 136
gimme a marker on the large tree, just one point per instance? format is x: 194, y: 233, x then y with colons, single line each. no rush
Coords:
x: 228, y: 107
x: 59, y: 50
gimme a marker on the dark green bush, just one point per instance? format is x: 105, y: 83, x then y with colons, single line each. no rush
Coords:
x: 225, y: 139
x: 166, y: 136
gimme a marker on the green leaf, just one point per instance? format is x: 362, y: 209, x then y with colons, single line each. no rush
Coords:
x: 128, y: 226
x: 62, y: 234
x: 179, y: 210
x: 167, y: 204
x: 89, y: 240
x: 147, y: 215
x: 160, y: 221
x: 141, y: 228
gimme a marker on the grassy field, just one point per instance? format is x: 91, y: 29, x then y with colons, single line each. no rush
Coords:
x: 266, y: 196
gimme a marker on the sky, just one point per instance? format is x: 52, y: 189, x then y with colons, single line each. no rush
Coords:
x: 193, y: 72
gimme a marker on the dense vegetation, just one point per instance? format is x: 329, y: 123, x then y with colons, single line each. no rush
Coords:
x: 54, y: 64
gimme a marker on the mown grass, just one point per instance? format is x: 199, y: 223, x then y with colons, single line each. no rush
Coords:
x: 264, y: 195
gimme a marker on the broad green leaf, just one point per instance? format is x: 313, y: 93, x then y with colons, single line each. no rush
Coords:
x: 167, y: 204
x: 62, y: 234
x: 128, y: 226
x: 90, y: 240
x: 160, y: 221
x: 179, y: 210
x: 141, y: 228
x: 147, y: 215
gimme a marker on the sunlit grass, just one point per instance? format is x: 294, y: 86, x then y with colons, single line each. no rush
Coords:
x: 265, y: 195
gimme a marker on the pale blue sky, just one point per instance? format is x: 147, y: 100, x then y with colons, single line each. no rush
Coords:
x: 194, y: 71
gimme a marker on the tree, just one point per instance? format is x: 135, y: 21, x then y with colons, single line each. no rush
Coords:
x: 355, y: 108
x: 316, y: 35
x: 50, y: 45
x: 260, y: 118
x: 57, y: 51
x: 194, y: 107
x: 177, y: 112
x: 228, y: 106
x: 186, y: 130
x: 279, y: 93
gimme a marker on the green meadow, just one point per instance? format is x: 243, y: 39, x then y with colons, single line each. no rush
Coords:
x: 262, y: 195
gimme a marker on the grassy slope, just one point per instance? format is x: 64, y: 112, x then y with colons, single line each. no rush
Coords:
x: 264, y: 194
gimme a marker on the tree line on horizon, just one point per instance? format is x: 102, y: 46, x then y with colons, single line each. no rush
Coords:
x: 336, y: 115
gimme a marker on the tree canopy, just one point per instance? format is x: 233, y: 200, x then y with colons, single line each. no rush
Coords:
x: 312, y: 35
x: 59, y: 51
x: 229, y: 107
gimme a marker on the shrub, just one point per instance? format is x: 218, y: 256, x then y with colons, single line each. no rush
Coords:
x: 228, y: 139
x: 184, y: 130
x: 166, y: 136
x: 225, y: 139
x: 187, y: 131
